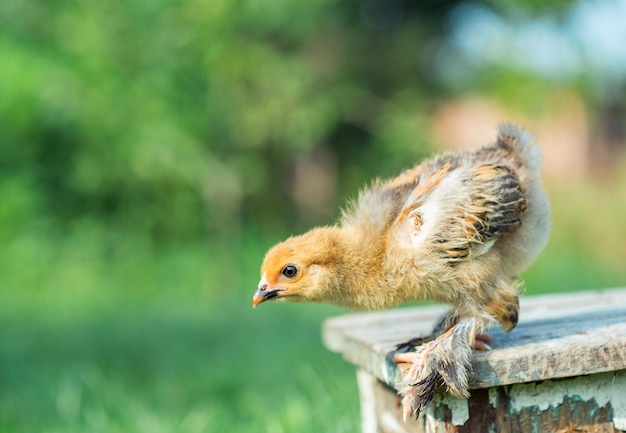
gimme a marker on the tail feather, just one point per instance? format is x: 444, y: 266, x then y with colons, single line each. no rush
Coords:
x: 523, y: 141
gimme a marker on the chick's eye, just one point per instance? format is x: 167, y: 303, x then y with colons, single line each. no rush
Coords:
x: 290, y: 271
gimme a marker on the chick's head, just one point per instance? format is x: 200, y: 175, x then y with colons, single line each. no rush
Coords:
x: 300, y: 269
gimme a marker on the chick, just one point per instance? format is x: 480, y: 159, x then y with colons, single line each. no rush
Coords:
x: 457, y: 229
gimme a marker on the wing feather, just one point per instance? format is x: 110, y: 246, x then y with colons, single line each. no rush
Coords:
x: 459, y: 211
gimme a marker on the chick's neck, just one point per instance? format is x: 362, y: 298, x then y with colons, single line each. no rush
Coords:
x: 355, y: 275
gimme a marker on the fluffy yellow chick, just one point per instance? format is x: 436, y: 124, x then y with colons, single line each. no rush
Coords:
x: 458, y: 228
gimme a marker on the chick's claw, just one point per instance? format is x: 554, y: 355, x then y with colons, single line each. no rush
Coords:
x: 404, y: 357
x: 485, y: 338
x: 481, y: 342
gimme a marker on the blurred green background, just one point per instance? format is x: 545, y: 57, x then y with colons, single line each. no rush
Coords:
x: 151, y: 152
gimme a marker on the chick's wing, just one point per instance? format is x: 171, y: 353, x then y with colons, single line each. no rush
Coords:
x: 458, y: 210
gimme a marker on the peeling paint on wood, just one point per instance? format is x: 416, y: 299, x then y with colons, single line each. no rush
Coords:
x: 601, y: 390
x: 457, y: 409
x: 507, y: 409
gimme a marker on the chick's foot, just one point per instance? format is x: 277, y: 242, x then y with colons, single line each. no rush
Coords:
x: 441, y: 364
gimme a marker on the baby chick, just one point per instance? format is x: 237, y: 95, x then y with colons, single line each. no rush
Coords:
x: 457, y: 229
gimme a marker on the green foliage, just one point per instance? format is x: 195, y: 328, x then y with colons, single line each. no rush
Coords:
x: 164, y: 116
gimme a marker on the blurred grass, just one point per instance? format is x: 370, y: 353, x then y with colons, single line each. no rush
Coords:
x: 175, y: 369
x: 83, y: 350
x: 102, y: 332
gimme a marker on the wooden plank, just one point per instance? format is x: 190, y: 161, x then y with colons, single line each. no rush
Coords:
x: 380, y: 409
x: 545, y: 349
x: 558, y: 336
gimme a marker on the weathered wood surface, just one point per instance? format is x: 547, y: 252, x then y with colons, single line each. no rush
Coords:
x: 561, y: 335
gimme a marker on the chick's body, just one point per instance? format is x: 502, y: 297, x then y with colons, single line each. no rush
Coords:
x: 456, y: 229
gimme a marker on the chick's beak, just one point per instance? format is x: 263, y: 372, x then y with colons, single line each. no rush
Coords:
x: 264, y: 293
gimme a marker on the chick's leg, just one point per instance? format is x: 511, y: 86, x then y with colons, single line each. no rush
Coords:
x: 444, y: 362
x: 444, y: 323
